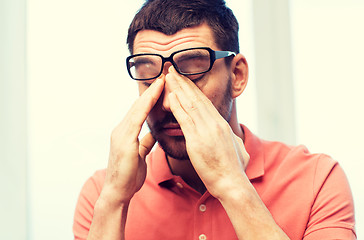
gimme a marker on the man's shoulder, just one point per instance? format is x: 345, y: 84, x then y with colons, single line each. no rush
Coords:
x: 296, y: 156
x: 96, y: 181
x: 275, y: 158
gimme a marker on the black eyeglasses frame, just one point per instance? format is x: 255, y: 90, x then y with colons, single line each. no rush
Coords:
x: 214, y: 55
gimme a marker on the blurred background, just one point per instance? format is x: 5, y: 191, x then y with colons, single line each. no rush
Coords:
x: 64, y: 87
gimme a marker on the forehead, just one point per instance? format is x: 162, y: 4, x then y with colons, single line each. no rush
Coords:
x: 150, y: 41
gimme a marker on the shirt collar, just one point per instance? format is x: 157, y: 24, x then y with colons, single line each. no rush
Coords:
x: 159, y: 166
x: 161, y: 172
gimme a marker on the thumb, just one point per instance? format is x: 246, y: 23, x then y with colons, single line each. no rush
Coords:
x: 145, y: 145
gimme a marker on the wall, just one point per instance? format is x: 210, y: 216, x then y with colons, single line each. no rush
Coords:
x: 329, y: 82
x: 13, y: 121
x: 78, y: 91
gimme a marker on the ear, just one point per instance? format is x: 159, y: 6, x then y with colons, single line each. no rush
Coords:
x: 239, y: 77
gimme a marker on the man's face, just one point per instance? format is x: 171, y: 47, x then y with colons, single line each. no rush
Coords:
x: 215, y: 84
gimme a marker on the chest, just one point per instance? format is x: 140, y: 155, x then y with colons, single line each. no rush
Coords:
x: 176, y: 213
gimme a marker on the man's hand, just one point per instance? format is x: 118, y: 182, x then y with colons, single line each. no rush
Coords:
x: 126, y: 170
x: 217, y: 154
x: 220, y: 159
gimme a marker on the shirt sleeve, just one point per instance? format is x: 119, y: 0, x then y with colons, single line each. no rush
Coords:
x: 332, y: 213
x: 89, y: 194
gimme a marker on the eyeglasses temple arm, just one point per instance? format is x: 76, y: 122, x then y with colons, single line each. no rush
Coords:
x: 223, y: 54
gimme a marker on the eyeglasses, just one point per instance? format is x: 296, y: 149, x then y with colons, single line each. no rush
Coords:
x: 191, y: 61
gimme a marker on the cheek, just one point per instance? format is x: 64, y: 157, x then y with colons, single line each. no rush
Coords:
x: 215, y: 87
x: 156, y: 114
x: 151, y: 120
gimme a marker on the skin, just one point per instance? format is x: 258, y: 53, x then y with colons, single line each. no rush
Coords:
x: 216, y: 157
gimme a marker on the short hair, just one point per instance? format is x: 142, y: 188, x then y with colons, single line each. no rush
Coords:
x: 171, y: 16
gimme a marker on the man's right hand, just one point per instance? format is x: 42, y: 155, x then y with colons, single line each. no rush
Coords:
x: 126, y: 169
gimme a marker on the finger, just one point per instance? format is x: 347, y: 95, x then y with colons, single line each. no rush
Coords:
x: 184, y: 85
x: 185, y: 121
x: 191, y: 98
x: 177, y: 86
x: 139, y: 111
x: 146, y: 145
x: 184, y: 82
x: 192, y: 91
x: 147, y: 100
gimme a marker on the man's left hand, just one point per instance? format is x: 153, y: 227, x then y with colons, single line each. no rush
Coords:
x: 217, y: 154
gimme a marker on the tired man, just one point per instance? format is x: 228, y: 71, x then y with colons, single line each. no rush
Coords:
x: 208, y: 177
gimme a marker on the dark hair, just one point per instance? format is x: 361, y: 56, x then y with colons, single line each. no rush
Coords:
x: 171, y: 16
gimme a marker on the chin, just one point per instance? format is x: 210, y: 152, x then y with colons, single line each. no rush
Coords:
x: 174, y: 147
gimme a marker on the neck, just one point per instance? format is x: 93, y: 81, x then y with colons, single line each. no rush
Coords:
x: 234, y: 123
x: 185, y: 169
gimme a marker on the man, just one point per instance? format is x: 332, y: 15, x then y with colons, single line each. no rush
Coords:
x: 209, y: 177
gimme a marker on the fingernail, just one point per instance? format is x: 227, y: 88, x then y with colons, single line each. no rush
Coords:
x: 159, y: 81
x: 170, y: 69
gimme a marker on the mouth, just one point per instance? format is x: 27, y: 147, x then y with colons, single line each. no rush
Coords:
x: 172, y: 129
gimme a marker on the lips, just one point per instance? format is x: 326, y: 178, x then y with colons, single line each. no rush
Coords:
x: 172, y: 129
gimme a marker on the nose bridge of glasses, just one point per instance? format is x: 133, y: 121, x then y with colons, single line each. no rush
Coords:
x: 166, y: 63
